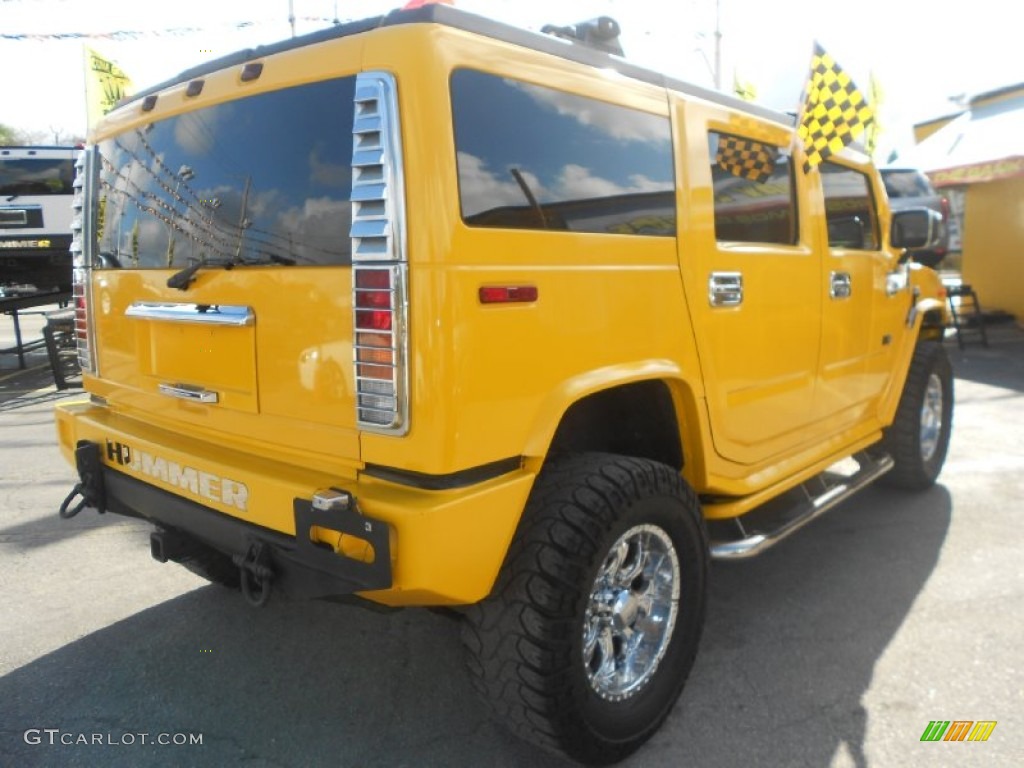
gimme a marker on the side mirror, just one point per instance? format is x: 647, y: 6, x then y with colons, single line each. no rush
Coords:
x: 916, y: 228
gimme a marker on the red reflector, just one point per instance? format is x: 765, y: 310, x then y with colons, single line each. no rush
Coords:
x: 373, y: 319
x: 373, y: 278
x: 374, y: 299
x: 507, y: 294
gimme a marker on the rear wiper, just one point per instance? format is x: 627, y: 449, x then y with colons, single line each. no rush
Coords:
x: 184, y: 278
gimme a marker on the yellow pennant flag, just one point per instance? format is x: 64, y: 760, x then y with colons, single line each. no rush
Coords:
x: 105, y: 85
x: 834, y: 111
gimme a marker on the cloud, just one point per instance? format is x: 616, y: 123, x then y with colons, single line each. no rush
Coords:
x: 619, y: 123
x: 329, y: 174
x: 482, y: 189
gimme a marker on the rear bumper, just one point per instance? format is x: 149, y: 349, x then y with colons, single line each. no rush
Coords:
x: 45, y: 268
x: 301, y: 569
x: 431, y: 547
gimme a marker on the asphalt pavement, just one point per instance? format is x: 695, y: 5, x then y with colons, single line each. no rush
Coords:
x: 836, y: 648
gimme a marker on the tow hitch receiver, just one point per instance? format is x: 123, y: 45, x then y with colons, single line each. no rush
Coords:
x: 256, y: 573
x: 90, y: 485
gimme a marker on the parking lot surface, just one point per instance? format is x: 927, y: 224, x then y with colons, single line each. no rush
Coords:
x: 836, y: 648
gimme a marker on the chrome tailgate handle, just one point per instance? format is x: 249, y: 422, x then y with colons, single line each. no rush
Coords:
x: 725, y: 289
x: 186, y: 392
x: 840, y: 285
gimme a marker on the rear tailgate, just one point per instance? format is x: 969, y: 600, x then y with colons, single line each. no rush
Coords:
x: 260, y: 356
x: 220, y: 288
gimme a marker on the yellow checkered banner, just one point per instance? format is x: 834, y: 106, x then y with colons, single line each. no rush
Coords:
x: 834, y: 113
x: 746, y: 158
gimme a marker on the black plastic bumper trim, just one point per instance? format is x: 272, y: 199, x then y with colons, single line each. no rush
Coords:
x: 461, y: 479
x: 301, y: 568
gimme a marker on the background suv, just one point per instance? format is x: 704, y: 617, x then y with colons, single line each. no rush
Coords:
x: 910, y: 188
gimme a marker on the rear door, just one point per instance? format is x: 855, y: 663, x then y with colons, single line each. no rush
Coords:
x: 753, y: 284
x: 255, y: 341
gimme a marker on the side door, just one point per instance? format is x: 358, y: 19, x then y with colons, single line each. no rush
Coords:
x: 753, y: 283
x: 856, y: 342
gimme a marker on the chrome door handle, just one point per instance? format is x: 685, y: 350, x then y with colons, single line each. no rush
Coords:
x: 725, y: 289
x: 841, y: 285
x: 186, y: 392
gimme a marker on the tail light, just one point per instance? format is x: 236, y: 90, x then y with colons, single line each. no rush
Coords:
x: 379, y: 268
x: 82, y: 235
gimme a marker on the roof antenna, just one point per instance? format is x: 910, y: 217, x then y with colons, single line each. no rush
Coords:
x: 601, y: 33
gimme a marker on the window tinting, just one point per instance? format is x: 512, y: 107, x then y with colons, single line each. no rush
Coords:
x: 36, y: 176
x: 849, y: 208
x: 753, y: 187
x: 265, y: 179
x: 530, y: 157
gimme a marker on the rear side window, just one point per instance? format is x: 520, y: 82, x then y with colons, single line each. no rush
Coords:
x: 849, y: 208
x: 754, y: 192
x: 530, y: 157
x: 263, y: 180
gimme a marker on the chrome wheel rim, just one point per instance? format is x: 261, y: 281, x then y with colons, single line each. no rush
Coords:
x: 931, y: 417
x: 631, y: 612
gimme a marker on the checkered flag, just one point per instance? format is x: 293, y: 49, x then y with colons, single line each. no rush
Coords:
x: 746, y: 158
x: 834, y: 112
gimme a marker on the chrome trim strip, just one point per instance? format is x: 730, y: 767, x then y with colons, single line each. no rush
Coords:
x: 378, y: 185
x: 870, y: 470
x: 185, y: 392
x: 204, y: 314
x: 83, y: 247
x: 378, y: 236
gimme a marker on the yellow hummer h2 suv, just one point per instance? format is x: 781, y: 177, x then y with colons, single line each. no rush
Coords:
x: 425, y: 310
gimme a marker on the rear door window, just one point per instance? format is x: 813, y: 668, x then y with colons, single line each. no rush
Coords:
x: 754, y: 191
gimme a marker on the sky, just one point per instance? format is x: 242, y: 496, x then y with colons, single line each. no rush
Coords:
x: 921, y: 52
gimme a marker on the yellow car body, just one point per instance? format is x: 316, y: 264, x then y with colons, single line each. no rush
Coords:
x: 749, y: 399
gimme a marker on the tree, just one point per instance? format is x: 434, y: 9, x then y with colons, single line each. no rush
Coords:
x: 10, y: 136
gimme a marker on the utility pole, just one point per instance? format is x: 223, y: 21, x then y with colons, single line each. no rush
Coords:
x: 291, y: 15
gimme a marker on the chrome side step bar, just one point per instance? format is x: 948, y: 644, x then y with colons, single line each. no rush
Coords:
x: 758, y: 532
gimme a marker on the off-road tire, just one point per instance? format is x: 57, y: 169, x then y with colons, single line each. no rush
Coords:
x: 916, y: 469
x: 525, y: 642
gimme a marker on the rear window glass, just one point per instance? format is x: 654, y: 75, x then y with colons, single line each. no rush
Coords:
x: 530, y: 157
x: 849, y: 208
x: 754, y: 192
x: 265, y: 179
x: 36, y: 176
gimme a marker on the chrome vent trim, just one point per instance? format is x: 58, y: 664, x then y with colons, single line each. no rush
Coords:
x: 83, y: 221
x: 379, y: 245
x: 378, y: 201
